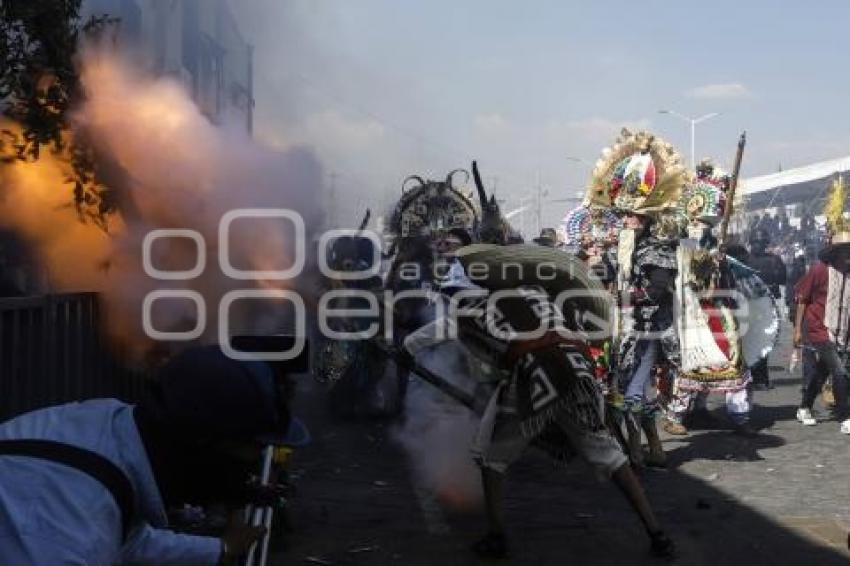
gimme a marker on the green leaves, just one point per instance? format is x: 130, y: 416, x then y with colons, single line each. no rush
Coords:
x: 40, y: 85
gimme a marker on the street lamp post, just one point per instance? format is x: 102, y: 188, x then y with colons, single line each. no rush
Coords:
x: 693, y: 122
x: 583, y: 161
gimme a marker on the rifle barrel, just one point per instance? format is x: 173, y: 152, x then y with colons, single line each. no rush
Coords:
x: 463, y: 397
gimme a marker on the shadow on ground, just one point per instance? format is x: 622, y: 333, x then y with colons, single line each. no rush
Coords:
x: 721, y: 445
x: 763, y: 417
x: 357, y: 506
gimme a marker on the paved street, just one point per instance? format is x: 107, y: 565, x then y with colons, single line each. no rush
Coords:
x: 781, y: 498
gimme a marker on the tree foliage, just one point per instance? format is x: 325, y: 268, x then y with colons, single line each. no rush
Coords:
x: 40, y: 85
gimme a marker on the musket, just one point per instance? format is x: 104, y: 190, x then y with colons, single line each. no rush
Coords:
x: 365, y: 221
x: 730, y: 196
x: 479, y: 186
x: 461, y: 396
x: 490, y: 229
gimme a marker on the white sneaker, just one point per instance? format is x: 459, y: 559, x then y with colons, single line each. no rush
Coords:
x: 805, y: 417
x: 845, y: 427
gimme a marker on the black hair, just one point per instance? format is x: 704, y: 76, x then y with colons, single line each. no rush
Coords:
x: 200, y: 400
x: 462, y: 235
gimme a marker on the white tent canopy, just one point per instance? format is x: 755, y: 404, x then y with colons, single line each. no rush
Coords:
x: 796, y: 176
x: 802, y: 185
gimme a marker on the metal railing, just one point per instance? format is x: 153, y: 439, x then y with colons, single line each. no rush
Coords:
x: 52, y: 351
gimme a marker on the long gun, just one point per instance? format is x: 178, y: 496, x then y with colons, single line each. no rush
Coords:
x: 479, y: 186
x: 365, y: 221
x: 461, y: 396
x: 733, y: 186
x: 491, y: 229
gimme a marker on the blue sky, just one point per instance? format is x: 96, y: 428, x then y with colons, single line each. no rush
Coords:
x: 385, y: 88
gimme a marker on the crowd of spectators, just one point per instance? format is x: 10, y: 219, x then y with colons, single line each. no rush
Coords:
x: 788, y: 241
x: 796, y: 244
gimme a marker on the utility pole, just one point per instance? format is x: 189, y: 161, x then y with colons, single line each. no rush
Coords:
x: 539, y: 214
x: 539, y: 194
x: 332, y: 221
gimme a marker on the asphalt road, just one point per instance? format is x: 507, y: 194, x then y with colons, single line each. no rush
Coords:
x: 780, y: 498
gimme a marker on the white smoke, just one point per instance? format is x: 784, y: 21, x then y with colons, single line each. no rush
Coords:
x: 438, y: 431
x: 176, y: 170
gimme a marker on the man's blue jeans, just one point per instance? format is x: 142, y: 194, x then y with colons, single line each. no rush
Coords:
x: 647, y: 352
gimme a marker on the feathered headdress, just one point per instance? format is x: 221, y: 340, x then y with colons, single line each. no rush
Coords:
x: 834, y: 209
x: 838, y: 226
x: 703, y: 200
x: 427, y: 207
x: 641, y: 173
x: 584, y: 225
x: 705, y: 197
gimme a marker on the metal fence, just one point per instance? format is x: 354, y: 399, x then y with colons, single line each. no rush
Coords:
x: 52, y: 351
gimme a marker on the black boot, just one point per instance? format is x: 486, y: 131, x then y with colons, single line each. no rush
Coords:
x: 493, y: 546
x: 661, y: 545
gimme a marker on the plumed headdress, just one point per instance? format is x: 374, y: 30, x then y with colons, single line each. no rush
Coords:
x: 836, y: 222
x: 429, y: 207
x: 703, y: 200
x: 583, y: 224
x: 838, y: 225
x: 640, y: 173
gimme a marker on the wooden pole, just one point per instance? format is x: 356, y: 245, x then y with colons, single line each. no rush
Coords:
x: 733, y: 186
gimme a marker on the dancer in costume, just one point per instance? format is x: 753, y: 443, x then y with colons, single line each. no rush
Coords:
x: 716, y: 355
x: 641, y: 177
x: 543, y: 389
x: 431, y: 220
x: 591, y: 234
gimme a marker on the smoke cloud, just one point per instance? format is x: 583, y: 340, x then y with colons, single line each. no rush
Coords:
x: 437, y: 433
x: 174, y: 170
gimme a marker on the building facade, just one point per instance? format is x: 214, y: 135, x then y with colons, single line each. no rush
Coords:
x: 195, y: 41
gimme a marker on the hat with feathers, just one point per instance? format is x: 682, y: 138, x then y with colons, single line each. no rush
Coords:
x: 703, y: 200
x: 640, y: 173
x: 838, y: 225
